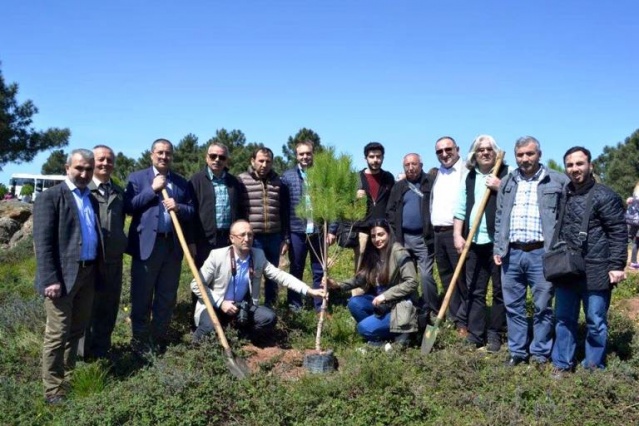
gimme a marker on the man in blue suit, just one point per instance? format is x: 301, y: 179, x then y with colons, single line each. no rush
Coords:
x: 153, y: 246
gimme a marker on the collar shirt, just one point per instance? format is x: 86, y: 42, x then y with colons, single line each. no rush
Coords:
x: 222, y: 201
x: 104, y: 189
x: 445, y: 193
x: 525, y: 220
x: 306, y: 197
x: 239, y: 286
x: 481, y: 235
x: 164, y: 218
x: 89, y: 249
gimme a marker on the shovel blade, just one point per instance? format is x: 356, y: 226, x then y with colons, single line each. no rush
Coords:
x: 237, y: 367
x: 429, y: 338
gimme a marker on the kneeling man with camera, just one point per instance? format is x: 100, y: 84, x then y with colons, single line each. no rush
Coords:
x: 233, y: 276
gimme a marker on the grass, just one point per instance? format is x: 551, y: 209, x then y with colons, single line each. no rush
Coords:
x: 191, y: 385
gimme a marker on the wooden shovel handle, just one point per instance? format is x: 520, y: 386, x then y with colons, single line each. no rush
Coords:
x: 469, y: 239
x: 198, y: 278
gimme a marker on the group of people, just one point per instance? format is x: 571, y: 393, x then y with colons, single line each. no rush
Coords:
x: 425, y: 217
x: 238, y: 227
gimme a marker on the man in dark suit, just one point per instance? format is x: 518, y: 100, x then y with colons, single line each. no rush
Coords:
x: 156, y: 252
x: 67, y: 240
x: 108, y: 287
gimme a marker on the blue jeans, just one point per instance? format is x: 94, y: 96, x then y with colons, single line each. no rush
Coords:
x: 369, y: 326
x: 271, y: 244
x: 297, y: 253
x: 567, y: 305
x: 521, y: 269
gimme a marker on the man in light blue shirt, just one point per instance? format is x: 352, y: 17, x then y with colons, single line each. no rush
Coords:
x: 480, y: 265
x: 67, y: 244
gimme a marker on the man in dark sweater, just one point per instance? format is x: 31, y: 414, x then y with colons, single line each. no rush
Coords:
x: 408, y: 213
x: 375, y: 185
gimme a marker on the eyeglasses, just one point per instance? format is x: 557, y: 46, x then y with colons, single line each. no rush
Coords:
x: 441, y: 151
x: 482, y: 150
x: 214, y: 157
x: 243, y: 235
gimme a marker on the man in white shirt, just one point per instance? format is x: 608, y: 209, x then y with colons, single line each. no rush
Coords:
x: 443, y: 204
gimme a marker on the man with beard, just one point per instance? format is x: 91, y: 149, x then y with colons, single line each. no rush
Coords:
x: 156, y: 252
x: 66, y: 239
x: 527, y: 206
x: 267, y: 204
x: 375, y: 185
x: 304, y: 234
x: 605, y: 252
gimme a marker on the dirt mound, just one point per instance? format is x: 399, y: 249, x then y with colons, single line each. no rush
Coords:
x: 284, y: 363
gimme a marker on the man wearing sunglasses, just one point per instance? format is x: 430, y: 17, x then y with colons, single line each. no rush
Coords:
x: 217, y: 202
x: 446, y: 188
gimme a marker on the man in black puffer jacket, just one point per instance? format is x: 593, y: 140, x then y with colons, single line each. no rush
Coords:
x: 605, y: 253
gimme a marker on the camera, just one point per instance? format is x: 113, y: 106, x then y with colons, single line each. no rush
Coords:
x: 243, y: 310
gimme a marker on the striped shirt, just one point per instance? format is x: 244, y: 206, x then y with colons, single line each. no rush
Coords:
x: 525, y: 220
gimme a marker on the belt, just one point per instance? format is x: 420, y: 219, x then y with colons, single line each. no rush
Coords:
x: 86, y: 263
x: 165, y: 235
x: 443, y: 228
x: 527, y: 246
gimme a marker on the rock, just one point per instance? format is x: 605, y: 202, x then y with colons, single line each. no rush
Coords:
x: 16, y: 210
x: 8, y: 227
x: 25, y: 231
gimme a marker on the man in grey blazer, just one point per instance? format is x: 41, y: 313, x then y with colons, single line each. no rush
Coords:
x: 233, y: 276
x: 108, y: 287
x: 67, y: 245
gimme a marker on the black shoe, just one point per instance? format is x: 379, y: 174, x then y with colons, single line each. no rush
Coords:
x: 471, y: 345
x: 514, y: 361
x: 55, y: 399
x: 403, y: 339
x: 493, y: 346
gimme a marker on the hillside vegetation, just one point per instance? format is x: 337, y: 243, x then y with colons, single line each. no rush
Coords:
x: 188, y: 384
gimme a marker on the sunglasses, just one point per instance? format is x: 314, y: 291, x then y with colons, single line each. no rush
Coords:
x: 214, y: 157
x: 441, y: 151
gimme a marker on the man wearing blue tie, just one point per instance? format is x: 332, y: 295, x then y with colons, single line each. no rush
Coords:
x: 157, y: 255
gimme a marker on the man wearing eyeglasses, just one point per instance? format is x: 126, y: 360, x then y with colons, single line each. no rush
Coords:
x: 267, y: 206
x: 445, y: 194
x: 217, y: 202
x: 232, y: 276
x: 156, y: 252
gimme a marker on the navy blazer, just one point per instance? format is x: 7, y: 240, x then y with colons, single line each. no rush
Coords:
x: 142, y: 203
x: 57, y: 237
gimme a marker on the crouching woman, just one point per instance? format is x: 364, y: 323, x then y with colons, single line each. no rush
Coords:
x: 388, y: 277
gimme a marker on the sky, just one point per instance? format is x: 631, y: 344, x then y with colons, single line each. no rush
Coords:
x: 403, y: 73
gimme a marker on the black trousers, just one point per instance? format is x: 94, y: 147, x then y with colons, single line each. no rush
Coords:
x: 480, y: 269
x: 446, y: 257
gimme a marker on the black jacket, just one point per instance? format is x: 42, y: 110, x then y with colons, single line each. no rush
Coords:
x: 606, y: 244
x: 203, y: 226
x: 376, y: 209
x: 395, y: 208
x: 491, y: 206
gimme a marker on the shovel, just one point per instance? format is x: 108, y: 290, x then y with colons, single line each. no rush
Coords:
x: 236, y: 366
x: 430, y: 335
